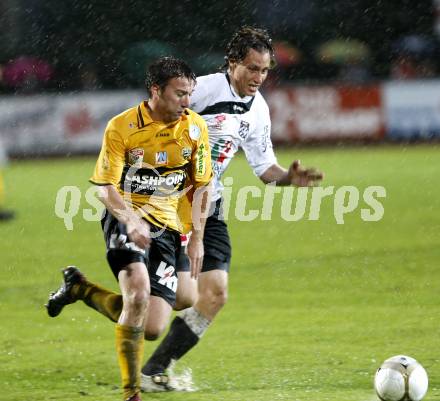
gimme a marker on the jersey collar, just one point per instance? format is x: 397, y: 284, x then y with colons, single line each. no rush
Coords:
x: 234, y: 93
x: 143, y: 116
x: 145, y: 119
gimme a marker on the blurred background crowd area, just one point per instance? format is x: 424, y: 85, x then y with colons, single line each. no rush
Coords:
x: 57, y: 46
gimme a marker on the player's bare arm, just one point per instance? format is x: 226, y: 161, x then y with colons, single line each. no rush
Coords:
x: 138, y: 230
x: 195, y: 250
x: 296, y: 175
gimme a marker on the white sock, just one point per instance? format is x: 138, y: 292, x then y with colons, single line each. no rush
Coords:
x: 195, y: 321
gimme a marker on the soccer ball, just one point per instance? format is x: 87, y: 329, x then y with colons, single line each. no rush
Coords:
x: 401, y: 378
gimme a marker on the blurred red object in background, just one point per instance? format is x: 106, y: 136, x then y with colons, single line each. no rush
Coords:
x: 26, y: 69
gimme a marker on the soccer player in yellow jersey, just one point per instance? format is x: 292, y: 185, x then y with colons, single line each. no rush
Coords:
x: 151, y: 156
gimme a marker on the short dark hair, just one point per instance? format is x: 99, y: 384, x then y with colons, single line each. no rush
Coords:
x: 246, y: 38
x: 166, y: 68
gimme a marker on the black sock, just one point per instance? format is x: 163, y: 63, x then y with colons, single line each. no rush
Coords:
x: 179, y: 340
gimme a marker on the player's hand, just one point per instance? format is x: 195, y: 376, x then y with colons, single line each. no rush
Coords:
x: 303, y: 177
x: 195, y: 253
x: 138, y: 231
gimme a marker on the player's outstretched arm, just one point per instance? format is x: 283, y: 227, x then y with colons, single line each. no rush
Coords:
x: 138, y: 230
x: 295, y: 175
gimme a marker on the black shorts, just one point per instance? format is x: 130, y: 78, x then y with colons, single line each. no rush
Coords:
x: 216, y: 243
x: 159, y: 258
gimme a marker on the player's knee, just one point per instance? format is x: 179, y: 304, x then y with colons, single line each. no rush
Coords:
x: 152, y: 333
x: 137, y: 301
x: 185, y: 301
x: 221, y: 297
x: 215, y: 298
x: 186, y: 294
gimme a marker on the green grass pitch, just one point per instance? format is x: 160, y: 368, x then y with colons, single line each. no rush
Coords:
x: 314, y: 306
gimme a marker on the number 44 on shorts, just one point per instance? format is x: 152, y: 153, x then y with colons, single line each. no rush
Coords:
x: 167, y: 276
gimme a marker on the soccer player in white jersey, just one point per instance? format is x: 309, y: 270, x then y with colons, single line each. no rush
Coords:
x: 237, y: 116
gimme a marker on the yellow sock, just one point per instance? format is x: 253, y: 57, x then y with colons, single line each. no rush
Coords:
x: 106, y: 302
x: 130, y: 348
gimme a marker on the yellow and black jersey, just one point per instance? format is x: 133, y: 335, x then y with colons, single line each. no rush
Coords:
x: 153, y: 164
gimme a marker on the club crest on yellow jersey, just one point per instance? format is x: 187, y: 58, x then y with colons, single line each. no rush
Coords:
x: 186, y: 153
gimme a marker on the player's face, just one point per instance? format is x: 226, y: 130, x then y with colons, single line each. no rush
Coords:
x: 174, y: 98
x: 249, y: 74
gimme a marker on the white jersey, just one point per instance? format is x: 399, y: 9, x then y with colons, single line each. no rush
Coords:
x: 233, y: 122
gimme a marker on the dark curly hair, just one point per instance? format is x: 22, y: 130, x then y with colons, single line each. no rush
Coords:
x: 246, y: 38
x: 166, y: 68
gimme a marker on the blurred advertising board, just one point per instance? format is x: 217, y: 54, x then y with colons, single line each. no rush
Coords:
x: 412, y: 109
x: 74, y: 123
x: 60, y: 124
x: 317, y: 113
